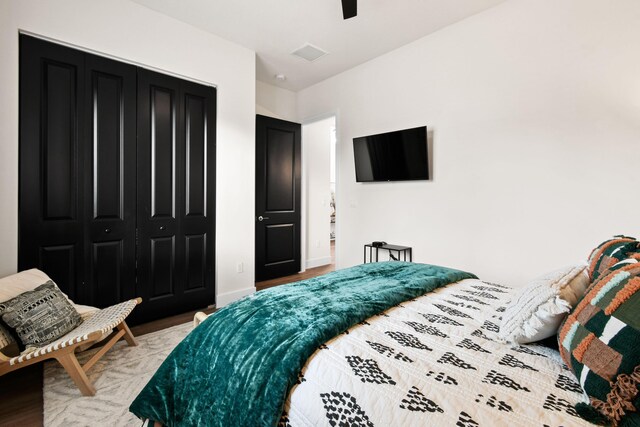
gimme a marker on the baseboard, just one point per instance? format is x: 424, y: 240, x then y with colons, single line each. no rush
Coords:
x: 318, y: 262
x: 229, y: 297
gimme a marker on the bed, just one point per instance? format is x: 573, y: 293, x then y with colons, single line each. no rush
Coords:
x: 435, y: 360
x: 410, y: 354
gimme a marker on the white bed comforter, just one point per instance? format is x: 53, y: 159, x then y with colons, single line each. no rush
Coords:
x: 434, y: 361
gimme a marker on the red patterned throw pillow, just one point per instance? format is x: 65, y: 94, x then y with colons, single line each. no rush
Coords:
x: 600, y: 341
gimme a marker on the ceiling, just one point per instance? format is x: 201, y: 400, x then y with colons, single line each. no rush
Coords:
x: 275, y: 28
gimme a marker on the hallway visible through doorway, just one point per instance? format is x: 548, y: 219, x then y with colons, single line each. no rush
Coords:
x: 319, y: 151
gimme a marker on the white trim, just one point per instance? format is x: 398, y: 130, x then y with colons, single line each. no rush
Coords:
x: 303, y: 202
x: 116, y: 58
x: 318, y: 262
x: 319, y: 117
x: 340, y: 205
x: 229, y: 297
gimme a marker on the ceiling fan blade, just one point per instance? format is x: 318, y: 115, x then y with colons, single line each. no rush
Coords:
x: 349, y: 8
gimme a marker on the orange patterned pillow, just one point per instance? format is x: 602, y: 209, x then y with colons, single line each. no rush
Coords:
x: 600, y: 342
x: 610, y: 252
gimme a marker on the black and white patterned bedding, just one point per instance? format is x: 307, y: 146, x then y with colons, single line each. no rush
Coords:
x: 435, y: 361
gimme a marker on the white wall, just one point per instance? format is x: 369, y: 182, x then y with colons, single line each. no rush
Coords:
x: 533, y: 109
x: 135, y: 33
x: 276, y: 102
x: 316, y: 148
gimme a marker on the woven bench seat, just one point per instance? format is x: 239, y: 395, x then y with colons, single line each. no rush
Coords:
x: 102, y: 321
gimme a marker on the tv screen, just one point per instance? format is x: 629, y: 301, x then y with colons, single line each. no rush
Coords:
x: 392, y: 156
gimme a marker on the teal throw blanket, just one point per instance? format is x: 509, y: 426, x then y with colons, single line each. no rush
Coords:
x: 238, y: 366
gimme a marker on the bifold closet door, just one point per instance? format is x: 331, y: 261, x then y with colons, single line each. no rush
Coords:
x: 110, y: 180
x: 51, y: 151
x: 77, y: 171
x: 176, y: 184
x: 117, y: 180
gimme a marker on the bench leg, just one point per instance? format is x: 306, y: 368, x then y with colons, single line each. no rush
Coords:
x: 128, y: 336
x: 77, y: 374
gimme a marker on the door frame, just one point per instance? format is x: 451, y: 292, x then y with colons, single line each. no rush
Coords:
x: 303, y: 198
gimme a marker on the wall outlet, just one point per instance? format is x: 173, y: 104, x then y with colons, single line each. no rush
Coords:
x: 239, y: 267
x: 317, y: 243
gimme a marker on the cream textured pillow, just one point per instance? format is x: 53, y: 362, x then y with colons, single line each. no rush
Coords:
x: 536, y: 311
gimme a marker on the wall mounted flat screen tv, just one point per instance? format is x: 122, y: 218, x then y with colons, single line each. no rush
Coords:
x: 392, y: 156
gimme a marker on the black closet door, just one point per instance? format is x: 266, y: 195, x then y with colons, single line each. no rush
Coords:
x: 117, y: 181
x: 176, y: 184
x: 51, y: 235
x: 110, y: 180
x: 77, y: 171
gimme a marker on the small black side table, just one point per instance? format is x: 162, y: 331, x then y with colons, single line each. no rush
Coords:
x: 391, y: 248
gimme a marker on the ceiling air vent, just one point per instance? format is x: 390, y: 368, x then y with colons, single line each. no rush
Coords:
x: 309, y: 52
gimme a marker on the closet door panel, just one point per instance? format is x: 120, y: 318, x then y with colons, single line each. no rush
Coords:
x: 162, y: 272
x: 196, y: 262
x: 196, y: 154
x: 107, y: 259
x: 51, y: 153
x: 60, y: 263
x: 110, y: 172
x: 198, y: 197
x: 160, y: 154
x: 163, y: 151
x: 59, y: 142
x: 108, y: 145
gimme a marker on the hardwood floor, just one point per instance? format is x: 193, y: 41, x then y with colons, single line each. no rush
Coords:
x: 312, y: 272
x: 21, y: 391
x: 308, y: 274
x: 21, y: 397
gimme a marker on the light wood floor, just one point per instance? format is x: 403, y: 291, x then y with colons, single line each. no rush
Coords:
x: 21, y: 391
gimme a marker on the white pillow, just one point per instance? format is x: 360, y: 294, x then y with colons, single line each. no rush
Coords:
x: 536, y: 311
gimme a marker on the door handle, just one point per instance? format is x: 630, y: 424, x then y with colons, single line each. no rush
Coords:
x: 262, y: 218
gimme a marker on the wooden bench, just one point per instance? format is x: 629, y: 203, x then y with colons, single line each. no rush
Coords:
x: 97, y: 324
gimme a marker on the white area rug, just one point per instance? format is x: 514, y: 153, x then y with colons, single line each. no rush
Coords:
x: 118, y: 377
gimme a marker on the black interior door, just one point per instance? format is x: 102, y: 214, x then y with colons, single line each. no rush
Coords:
x: 176, y: 148
x: 277, y: 198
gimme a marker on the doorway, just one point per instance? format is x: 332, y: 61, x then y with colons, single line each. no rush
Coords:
x: 319, y: 151
x: 318, y: 201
